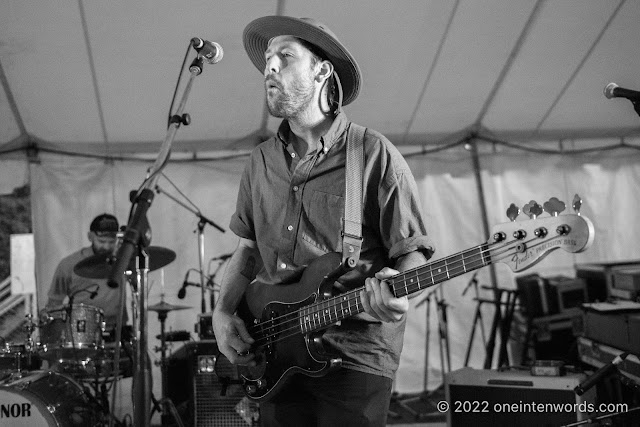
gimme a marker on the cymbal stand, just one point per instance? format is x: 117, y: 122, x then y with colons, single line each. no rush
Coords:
x: 203, y: 221
x: 165, y: 404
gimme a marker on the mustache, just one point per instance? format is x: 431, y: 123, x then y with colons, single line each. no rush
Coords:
x: 272, y: 81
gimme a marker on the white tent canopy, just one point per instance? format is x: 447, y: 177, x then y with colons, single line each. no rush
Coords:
x: 92, y: 76
x: 523, y: 79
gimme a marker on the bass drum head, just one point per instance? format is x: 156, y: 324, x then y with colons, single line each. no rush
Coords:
x: 43, y: 398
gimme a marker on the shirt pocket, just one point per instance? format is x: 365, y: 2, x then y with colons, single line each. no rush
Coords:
x: 322, y: 221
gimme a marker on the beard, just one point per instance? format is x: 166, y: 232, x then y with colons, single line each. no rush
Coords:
x: 99, y: 250
x: 289, y: 102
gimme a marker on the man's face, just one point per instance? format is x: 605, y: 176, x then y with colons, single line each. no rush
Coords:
x: 289, y: 77
x: 102, y: 244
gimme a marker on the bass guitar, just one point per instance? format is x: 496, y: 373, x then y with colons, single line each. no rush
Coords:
x: 287, y: 322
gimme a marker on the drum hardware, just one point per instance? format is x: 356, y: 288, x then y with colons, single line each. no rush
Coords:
x: 16, y: 358
x: 165, y: 404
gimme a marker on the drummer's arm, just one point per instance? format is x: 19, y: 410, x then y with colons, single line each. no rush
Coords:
x: 57, y: 291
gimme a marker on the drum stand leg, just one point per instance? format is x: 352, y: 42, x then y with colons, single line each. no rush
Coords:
x: 165, y: 405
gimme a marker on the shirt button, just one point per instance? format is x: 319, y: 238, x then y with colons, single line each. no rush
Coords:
x: 295, y: 188
x: 283, y: 265
x: 290, y: 227
x: 293, y: 154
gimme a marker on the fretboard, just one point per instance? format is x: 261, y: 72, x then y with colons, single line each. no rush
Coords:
x: 327, y: 312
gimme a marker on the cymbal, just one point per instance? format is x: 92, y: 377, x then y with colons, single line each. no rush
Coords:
x: 165, y: 307
x: 99, y: 266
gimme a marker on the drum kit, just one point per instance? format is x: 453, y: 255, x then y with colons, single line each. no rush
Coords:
x: 82, y: 360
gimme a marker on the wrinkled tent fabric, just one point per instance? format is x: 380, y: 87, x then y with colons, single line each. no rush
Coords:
x: 97, y: 77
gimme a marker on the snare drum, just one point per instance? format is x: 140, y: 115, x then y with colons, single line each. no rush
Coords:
x: 72, y: 333
x: 43, y: 398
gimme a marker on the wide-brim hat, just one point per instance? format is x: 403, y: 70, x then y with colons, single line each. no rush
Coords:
x: 257, y: 34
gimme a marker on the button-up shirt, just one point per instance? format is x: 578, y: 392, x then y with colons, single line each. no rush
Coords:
x: 293, y: 207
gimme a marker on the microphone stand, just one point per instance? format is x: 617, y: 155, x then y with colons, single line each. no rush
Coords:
x: 137, y: 236
x: 201, y: 224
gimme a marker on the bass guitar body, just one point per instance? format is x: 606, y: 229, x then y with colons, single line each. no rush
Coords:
x: 275, y: 318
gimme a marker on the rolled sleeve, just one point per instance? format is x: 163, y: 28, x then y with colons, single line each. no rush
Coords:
x: 421, y: 244
x: 401, y: 222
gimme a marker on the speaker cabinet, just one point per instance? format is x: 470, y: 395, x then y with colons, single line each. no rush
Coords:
x: 511, y: 398
x: 205, y: 388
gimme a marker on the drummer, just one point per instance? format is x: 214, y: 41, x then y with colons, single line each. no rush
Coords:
x: 69, y: 288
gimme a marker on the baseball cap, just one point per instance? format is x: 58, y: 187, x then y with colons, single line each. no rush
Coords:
x: 104, y: 225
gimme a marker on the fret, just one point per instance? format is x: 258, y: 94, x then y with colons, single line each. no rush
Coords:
x: 438, y: 267
x: 306, y: 321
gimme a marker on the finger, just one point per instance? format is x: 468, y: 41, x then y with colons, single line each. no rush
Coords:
x: 385, y: 273
x: 364, y: 298
x: 243, y: 333
x: 369, y: 297
x: 245, y: 359
x: 378, y: 302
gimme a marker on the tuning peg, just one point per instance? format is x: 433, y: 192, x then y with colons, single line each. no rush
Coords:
x: 577, y: 203
x: 512, y: 212
x: 532, y: 209
x: 554, y: 206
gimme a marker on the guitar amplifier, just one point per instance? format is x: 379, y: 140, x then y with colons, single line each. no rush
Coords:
x: 544, y: 296
x: 569, y: 293
x: 600, y: 279
x: 534, y: 297
x: 511, y: 398
x: 205, y: 388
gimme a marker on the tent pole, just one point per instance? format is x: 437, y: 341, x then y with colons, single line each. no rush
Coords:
x: 472, y: 146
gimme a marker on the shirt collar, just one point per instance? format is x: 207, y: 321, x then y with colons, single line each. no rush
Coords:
x: 337, y: 128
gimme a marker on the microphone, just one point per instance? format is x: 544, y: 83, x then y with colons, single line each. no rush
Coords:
x: 211, y: 51
x: 612, y: 90
x: 600, y: 374
x: 183, y: 290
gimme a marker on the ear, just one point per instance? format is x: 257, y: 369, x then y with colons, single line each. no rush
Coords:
x: 325, y: 69
x: 90, y: 236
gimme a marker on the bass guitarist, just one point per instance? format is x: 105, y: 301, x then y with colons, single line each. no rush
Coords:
x: 290, y: 211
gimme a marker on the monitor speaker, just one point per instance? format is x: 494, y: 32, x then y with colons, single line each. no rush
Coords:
x: 205, y: 388
x: 510, y: 398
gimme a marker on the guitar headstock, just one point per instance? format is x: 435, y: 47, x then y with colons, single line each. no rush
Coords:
x: 522, y: 244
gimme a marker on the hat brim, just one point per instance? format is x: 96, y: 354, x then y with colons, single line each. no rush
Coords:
x: 257, y: 34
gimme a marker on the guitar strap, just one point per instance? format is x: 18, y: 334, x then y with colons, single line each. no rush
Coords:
x: 352, y: 223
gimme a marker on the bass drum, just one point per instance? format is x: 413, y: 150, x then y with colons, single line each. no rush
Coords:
x: 44, y: 398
